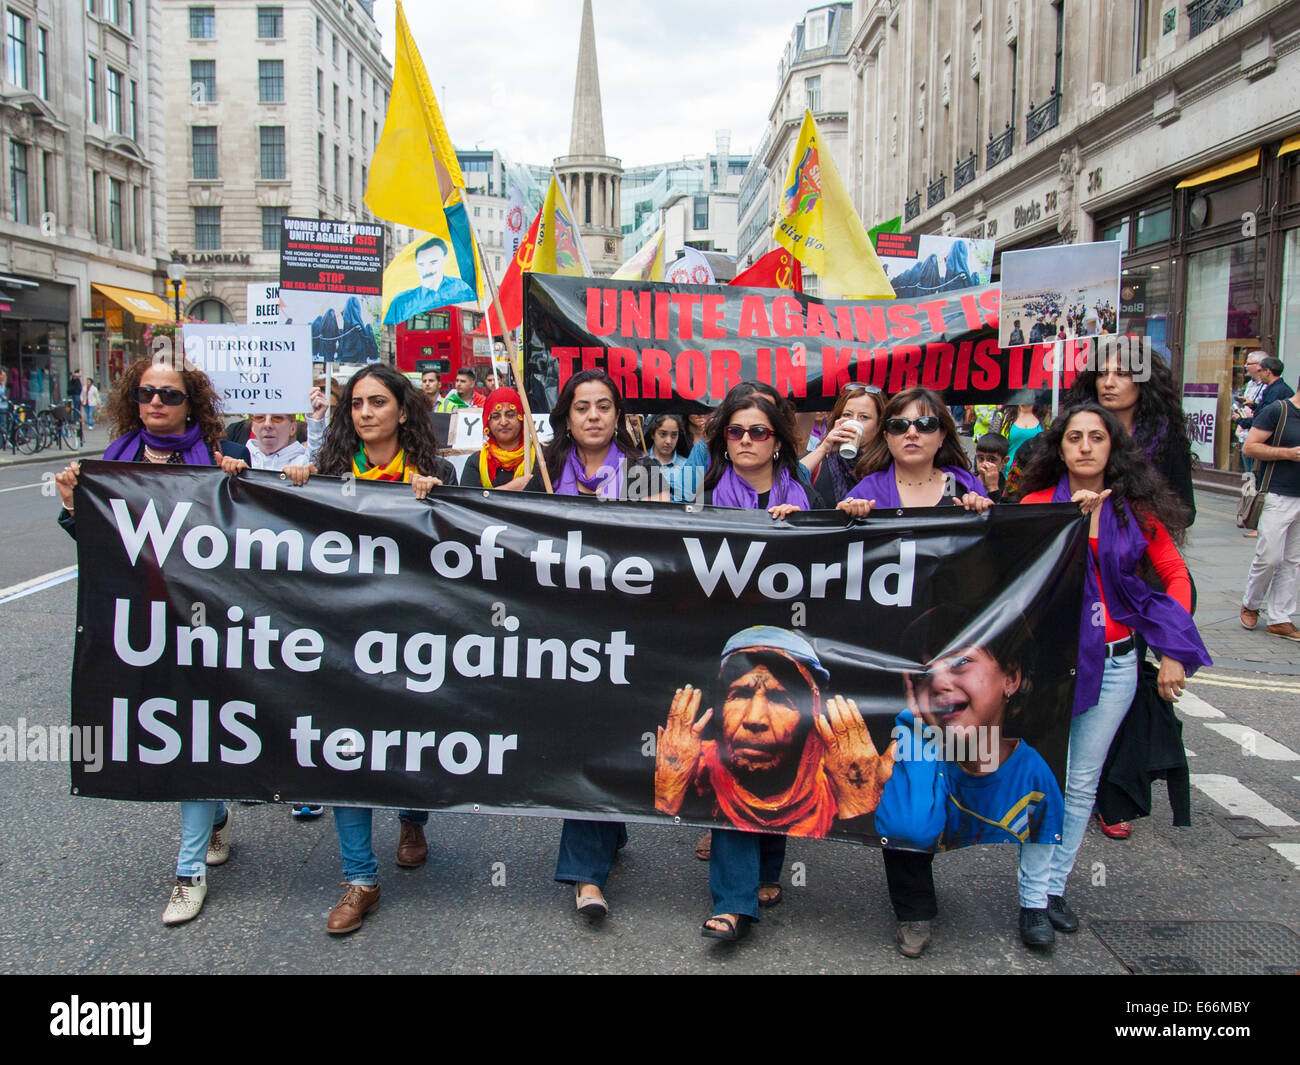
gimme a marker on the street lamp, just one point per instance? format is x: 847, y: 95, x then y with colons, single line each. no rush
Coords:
x: 176, y: 274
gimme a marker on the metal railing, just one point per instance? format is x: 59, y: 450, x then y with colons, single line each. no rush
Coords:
x: 1045, y: 116
x: 964, y: 172
x: 912, y: 207
x: 1202, y: 14
x: 936, y: 190
x: 999, y: 147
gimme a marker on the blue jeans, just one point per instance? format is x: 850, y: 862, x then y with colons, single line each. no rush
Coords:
x: 1044, y: 867
x: 197, y: 819
x: 587, y: 850
x: 354, y: 825
x: 738, y: 863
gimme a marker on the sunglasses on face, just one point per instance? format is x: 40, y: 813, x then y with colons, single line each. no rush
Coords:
x: 171, y: 397
x: 927, y: 423
x: 757, y: 433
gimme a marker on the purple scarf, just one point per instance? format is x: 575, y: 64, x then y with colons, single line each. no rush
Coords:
x: 1154, y: 616
x: 842, y: 474
x: 881, y: 486
x: 732, y: 490
x: 194, y: 452
x: 605, y: 482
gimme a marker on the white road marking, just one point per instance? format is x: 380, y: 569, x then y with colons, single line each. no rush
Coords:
x: 15, y: 488
x: 1252, y: 742
x: 1236, y: 798
x: 1289, y: 851
x: 1194, y: 706
x: 37, y: 584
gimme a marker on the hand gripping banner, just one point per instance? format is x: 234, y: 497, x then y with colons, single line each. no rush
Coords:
x: 907, y: 677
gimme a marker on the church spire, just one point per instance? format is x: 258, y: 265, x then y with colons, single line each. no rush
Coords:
x: 588, y: 133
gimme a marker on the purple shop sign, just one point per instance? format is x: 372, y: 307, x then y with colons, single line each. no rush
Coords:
x: 1201, y: 409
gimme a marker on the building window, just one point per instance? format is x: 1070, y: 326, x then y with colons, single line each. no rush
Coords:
x: 352, y: 179
x: 47, y: 182
x: 812, y: 88
x: 701, y: 213
x: 816, y: 30
x: 320, y: 159
x: 336, y: 105
x: 92, y: 88
x: 334, y: 48
x: 92, y: 7
x: 43, y: 62
x: 336, y: 170
x: 272, y: 143
x: 203, y: 80
x: 350, y: 75
x: 94, y: 204
x: 203, y: 22
x: 133, y: 115
x: 270, y: 22
x: 137, y: 215
x: 115, y: 213
x: 203, y: 144
x: 18, y: 181
x: 351, y: 130
x: 320, y: 90
x: 272, y: 223
x: 16, y: 49
x: 270, y: 81
x: 363, y: 129
x: 113, y: 99
x: 207, y: 228
x: 130, y: 17
x: 112, y: 12
x: 320, y: 35
x: 214, y: 312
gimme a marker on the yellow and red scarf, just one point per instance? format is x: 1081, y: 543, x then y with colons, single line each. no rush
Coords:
x: 396, y: 470
x: 493, y: 458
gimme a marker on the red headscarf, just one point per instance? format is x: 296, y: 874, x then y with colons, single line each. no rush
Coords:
x: 493, y: 457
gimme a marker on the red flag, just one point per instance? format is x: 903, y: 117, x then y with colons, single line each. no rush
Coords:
x: 776, y: 269
x: 510, y: 293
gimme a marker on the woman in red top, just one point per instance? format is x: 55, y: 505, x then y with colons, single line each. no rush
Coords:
x: 1087, y: 458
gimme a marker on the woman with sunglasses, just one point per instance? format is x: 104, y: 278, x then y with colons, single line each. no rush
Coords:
x: 1136, y: 523
x: 381, y: 432
x: 589, y: 456
x: 168, y: 416
x: 500, y: 463
x: 856, y: 421
x: 918, y: 462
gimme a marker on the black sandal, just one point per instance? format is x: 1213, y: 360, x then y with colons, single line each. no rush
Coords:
x: 771, y: 900
x: 732, y: 932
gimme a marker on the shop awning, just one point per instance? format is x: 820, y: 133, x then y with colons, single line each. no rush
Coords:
x: 144, y: 305
x: 1291, y: 144
x: 1245, y: 161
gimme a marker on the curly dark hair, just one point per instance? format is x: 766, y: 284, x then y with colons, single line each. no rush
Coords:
x: 780, y: 416
x: 1128, y: 474
x: 415, y: 436
x: 877, y: 456
x: 122, y: 412
x: 1159, y: 428
x: 561, y: 445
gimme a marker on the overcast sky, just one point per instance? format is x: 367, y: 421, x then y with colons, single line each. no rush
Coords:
x: 672, y: 72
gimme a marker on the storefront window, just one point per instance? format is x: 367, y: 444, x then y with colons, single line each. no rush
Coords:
x: 1144, y: 304
x: 1153, y: 226
x: 1225, y: 288
x: 1288, y: 336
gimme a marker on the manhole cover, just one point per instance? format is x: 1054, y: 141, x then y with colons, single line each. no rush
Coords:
x: 1244, y: 827
x: 1209, y: 948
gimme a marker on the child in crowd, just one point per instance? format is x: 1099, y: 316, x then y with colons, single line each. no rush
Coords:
x: 273, y: 442
x: 990, y: 463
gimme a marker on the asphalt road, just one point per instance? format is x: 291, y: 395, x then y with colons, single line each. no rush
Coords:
x: 83, y: 882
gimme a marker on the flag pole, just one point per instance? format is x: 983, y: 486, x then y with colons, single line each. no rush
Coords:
x: 530, y: 431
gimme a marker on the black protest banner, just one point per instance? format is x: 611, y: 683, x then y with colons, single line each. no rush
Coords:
x: 240, y: 638
x: 675, y: 346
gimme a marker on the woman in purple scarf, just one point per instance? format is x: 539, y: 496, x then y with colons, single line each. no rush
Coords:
x: 753, y: 455
x: 589, y: 456
x: 168, y: 416
x: 1136, y: 521
x: 917, y: 462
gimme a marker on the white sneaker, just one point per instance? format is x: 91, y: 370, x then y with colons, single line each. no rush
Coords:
x: 186, y: 901
x: 219, y: 843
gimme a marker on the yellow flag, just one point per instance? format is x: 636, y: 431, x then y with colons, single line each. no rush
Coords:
x: 645, y: 265
x: 559, y: 244
x: 817, y: 223
x: 414, y: 170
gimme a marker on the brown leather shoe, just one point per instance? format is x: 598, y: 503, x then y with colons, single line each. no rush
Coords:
x: 411, y: 847
x: 347, y: 916
x: 1286, y: 630
x: 1249, y: 618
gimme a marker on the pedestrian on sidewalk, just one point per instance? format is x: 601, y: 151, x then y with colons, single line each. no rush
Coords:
x: 92, y: 401
x: 1274, y: 439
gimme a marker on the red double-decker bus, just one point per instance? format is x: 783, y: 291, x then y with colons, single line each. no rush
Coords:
x: 441, y: 340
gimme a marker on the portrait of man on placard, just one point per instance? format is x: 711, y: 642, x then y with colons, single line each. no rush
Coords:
x: 436, y: 289
x: 773, y: 751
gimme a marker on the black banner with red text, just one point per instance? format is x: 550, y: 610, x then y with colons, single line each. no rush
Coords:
x: 675, y: 347
x: 345, y: 643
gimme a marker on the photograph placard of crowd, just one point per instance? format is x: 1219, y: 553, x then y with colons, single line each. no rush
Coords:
x: 237, y: 638
x: 923, y: 264
x: 1059, y: 293
x: 672, y: 345
x: 331, y: 278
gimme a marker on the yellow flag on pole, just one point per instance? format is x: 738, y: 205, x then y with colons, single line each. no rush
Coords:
x: 647, y: 264
x: 414, y: 170
x: 816, y: 222
x: 559, y: 244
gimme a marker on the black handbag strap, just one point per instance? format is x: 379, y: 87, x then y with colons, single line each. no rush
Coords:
x: 1275, y: 442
